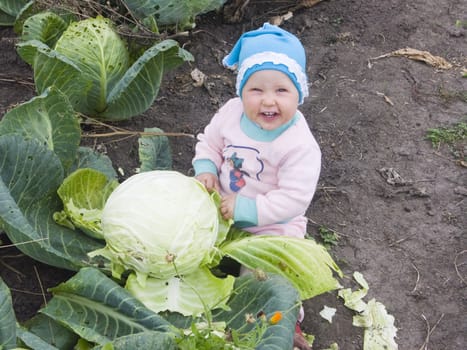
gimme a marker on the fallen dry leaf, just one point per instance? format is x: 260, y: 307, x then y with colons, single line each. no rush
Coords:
x: 278, y: 20
x: 309, y: 3
x: 424, y: 56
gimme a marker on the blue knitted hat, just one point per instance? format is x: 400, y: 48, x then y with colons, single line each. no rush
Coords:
x: 269, y: 47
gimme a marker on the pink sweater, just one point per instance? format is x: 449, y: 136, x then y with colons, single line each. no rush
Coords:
x: 274, y: 173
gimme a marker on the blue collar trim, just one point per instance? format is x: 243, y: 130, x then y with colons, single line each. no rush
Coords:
x: 255, y: 132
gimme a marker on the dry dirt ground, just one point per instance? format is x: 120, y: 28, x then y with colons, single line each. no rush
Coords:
x: 407, y: 239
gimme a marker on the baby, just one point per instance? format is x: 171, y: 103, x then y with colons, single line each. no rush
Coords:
x: 258, y: 151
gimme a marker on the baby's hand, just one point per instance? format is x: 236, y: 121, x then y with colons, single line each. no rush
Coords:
x: 210, y: 181
x: 228, y: 206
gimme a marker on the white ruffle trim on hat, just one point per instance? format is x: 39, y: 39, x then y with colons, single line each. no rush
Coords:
x: 275, y: 58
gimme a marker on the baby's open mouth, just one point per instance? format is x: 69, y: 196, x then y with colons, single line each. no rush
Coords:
x: 269, y: 114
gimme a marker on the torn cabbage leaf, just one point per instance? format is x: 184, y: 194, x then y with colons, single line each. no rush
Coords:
x: 379, y: 327
x: 353, y: 300
x: 328, y: 313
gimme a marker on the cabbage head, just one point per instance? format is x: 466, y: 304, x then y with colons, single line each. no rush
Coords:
x: 159, y: 224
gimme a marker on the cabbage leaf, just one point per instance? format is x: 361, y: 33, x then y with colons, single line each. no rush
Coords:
x: 99, y: 310
x: 379, y: 327
x: 154, y: 151
x: 41, y: 330
x: 84, y: 194
x: 305, y: 263
x: 190, y: 295
x: 7, y: 318
x: 354, y: 299
x: 48, y: 118
x: 46, y: 27
x: 9, y: 10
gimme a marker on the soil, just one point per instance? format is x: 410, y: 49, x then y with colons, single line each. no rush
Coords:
x: 408, y: 236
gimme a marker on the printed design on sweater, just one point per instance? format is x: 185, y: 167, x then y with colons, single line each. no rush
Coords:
x: 240, y: 158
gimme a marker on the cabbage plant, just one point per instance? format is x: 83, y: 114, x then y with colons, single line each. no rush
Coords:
x: 39, y: 147
x: 166, y: 230
x: 158, y: 13
x: 90, y: 64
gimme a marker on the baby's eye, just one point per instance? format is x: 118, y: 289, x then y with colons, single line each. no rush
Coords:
x: 282, y: 90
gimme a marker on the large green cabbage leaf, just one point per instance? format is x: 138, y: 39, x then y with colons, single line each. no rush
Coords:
x: 42, y: 331
x: 50, y: 119
x: 7, y: 318
x: 9, y: 10
x: 181, y: 13
x: 88, y: 158
x: 146, y: 340
x: 256, y: 296
x: 101, y: 311
x: 91, y: 65
x: 305, y: 263
x: 189, y: 295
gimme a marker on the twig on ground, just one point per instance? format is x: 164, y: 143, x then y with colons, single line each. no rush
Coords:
x: 117, y: 131
x: 212, y: 35
x: 130, y: 133
x: 25, y: 292
x: 17, y: 81
x: 330, y: 189
x: 401, y: 240
x: 12, y: 268
x: 418, y: 278
x: 429, y: 331
x: 40, y: 285
x: 456, y: 266
x: 123, y: 138
x: 311, y: 221
x: 16, y: 256
x: 444, y: 157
